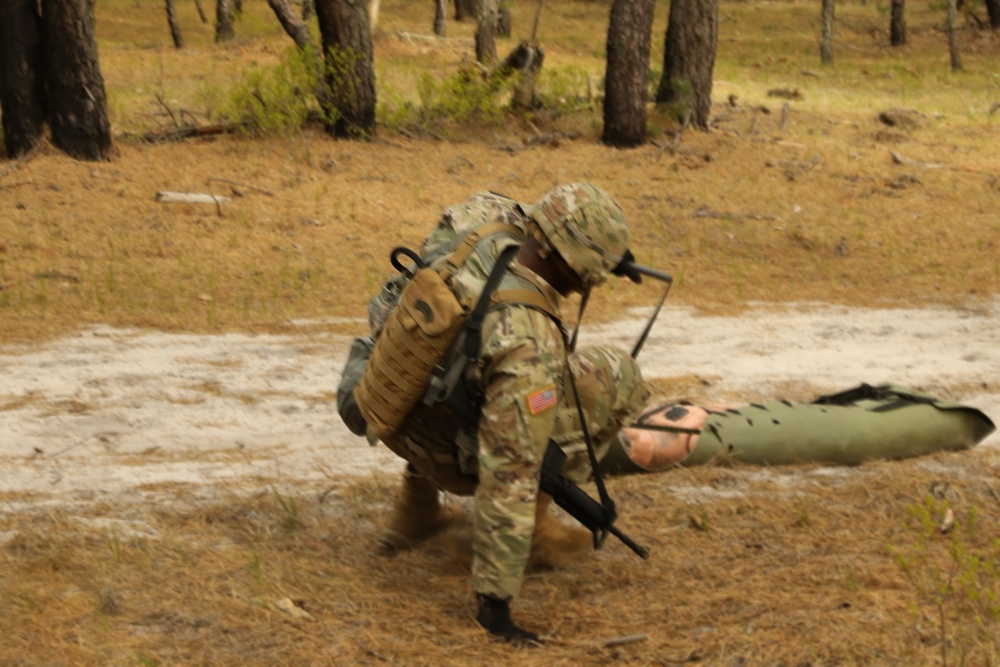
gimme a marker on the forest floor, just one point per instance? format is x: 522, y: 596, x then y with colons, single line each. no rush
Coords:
x: 177, y: 489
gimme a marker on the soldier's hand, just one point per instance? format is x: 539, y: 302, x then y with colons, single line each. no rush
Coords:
x: 494, y: 615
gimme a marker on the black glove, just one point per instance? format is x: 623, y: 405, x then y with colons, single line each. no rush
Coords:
x: 494, y: 615
x: 625, y: 268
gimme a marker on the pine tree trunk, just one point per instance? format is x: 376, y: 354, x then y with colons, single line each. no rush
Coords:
x: 466, y: 9
x: 440, y: 17
x: 897, y: 23
x: 77, y: 104
x: 224, y: 30
x: 826, y: 42
x: 201, y: 11
x: 21, y: 82
x: 296, y: 29
x: 350, y: 68
x: 629, y: 35
x: 175, y: 28
x: 486, y: 32
x: 956, y: 58
x: 993, y: 11
x: 689, y: 58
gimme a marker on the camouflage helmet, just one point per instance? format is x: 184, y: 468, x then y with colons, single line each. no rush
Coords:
x: 585, y: 226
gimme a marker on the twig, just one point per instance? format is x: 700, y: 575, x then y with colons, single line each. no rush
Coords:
x: 628, y: 639
x: 899, y: 159
x: 993, y: 491
x: 99, y: 436
x: 707, y: 213
x: 211, y: 179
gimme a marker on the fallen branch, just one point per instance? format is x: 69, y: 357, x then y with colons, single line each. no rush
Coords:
x: 551, y: 138
x: 899, y: 159
x: 706, y: 213
x: 186, y: 132
x: 168, y: 197
x: 211, y: 179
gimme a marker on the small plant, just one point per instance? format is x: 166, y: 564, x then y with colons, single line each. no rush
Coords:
x: 953, y: 568
x: 292, y: 521
x: 271, y: 100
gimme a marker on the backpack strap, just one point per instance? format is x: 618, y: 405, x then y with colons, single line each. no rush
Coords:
x: 526, y: 297
x: 474, y: 325
x: 472, y: 238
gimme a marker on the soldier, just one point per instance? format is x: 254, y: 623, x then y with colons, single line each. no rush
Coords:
x: 573, y: 239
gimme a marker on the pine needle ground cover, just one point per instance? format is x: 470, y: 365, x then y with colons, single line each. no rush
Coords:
x: 804, y: 191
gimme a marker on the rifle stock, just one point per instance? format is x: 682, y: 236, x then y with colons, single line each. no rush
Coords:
x: 597, y: 518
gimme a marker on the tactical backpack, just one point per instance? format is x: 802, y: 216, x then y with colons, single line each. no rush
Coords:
x: 422, y: 329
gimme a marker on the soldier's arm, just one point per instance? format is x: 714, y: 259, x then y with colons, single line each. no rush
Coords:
x: 522, y: 352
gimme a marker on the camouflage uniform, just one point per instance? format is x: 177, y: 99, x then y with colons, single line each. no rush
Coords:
x: 522, y: 368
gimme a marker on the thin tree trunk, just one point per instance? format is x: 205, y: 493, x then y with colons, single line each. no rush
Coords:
x: 956, y: 58
x: 201, y: 11
x: 350, y: 68
x: 826, y: 43
x: 308, y: 9
x: 627, y: 75
x: 299, y: 32
x: 440, y: 11
x: 224, y: 30
x: 689, y: 58
x: 486, y: 32
x: 466, y: 8
x: 897, y: 23
x: 21, y: 81
x: 77, y: 104
x: 175, y: 28
x: 504, y: 21
x: 296, y: 29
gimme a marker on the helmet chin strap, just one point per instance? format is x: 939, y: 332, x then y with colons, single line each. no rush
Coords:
x: 579, y: 318
x: 630, y: 269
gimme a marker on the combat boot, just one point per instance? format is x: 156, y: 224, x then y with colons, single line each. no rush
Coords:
x: 417, y: 516
x: 555, y: 544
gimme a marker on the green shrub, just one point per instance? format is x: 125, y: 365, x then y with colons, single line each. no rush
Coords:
x: 275, y: 99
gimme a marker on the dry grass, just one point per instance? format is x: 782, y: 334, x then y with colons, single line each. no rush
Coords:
x: 788, y: 566
x: 791, y: 566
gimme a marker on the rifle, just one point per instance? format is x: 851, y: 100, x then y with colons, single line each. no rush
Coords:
x: 597, y: 518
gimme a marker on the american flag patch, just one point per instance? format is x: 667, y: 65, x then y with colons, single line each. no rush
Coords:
x: 542, y: 400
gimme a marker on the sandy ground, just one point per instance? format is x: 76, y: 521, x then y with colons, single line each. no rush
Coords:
x: 109, y: 415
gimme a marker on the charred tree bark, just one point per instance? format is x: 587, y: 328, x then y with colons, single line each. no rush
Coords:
x: 689, y: 58
x: 826, y: 41
x: 350, y: 68
x: 897, y: 23
x: 21, y: 83
x: 175, y: 28
x: 627, y: 75
x: 224, y: 30
x: 486, y: 33
x: 993, y: 11
x: 77, y: 104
